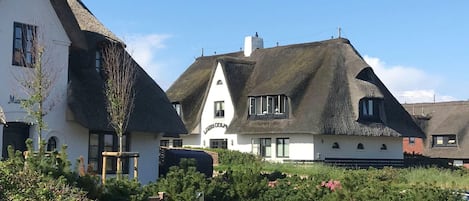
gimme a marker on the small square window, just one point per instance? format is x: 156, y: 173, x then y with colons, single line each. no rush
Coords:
x: 360, y: 146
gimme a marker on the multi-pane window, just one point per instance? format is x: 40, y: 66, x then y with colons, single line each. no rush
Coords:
x: 218, y: 143
x: 370, y: 109
x: 106, y: 141
x: 283, y: 147
x: 177, y: 107
x: 268, y: 105
x: 262, y: 147
x: 24, y: 44
x: 219, y: 108
x: 164, y: 143
x: 177, y: 143
x: 444, y: 140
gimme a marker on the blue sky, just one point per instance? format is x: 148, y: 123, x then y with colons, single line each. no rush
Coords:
x: 418, y: 48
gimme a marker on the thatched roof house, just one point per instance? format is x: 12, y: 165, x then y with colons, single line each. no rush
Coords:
x: 320, y: 90
x: 324, y: 80
x: 446, y: 126
x: 152, y: 110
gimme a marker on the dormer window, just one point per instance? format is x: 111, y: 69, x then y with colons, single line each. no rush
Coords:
x: 444, y: 141
x: 268, y: 107
x: 177, y: 107
x: 370, y: 109
x: 219, y: 82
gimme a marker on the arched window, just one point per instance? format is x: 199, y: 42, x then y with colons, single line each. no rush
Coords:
x: 384, y: 147
x: 335, y: 145
x: 219, y: 82
x: 360, y: 146
x: 52, y: 144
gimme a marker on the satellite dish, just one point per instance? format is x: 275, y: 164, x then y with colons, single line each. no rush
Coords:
x: 2, y: 116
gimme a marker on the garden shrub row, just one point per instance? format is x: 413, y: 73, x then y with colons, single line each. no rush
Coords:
x: 41, y: 177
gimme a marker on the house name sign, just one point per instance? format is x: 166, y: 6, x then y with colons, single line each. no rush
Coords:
x: 15, y: 100
x: 214, y: 125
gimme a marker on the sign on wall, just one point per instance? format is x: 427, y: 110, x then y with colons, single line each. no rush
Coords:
x: 214, y: 125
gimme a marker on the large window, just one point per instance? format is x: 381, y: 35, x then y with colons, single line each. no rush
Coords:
x: 24, y: 44
x: 274, y: 106
x: 444, y: 141
x: 370, y: 109
x: 283, y: 147
x: 219, y: 108
x: 218, y: 143
x: 106, y: 141
x: 262, y: 147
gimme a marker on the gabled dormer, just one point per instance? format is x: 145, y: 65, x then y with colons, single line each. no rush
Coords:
x: 371, y: 110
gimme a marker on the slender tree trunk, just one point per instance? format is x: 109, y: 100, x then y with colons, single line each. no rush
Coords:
x: 119, y: 158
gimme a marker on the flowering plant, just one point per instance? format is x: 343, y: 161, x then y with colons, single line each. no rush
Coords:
x: 331, y: 185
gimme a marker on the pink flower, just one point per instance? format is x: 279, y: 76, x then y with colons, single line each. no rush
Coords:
x: 331, y: 185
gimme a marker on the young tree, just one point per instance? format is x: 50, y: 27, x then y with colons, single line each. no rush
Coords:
x: 120, y: 72
x: 36, y: 79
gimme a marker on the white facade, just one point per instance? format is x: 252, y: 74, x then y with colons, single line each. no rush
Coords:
x: 54, y: 39
x: 60, y: 125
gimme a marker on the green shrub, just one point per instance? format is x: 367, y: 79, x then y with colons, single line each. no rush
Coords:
x: 180, y: 183
x: 28, y: 184
x: 230, y: 157
x: 123, y: 190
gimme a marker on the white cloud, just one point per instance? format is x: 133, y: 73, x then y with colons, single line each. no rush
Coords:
x: 144, y: 49
x: 408, y: 84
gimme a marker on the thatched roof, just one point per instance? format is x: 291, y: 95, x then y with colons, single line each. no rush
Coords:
x: 441, y: 119
x: 324, y: 81
x: 69, y: 22
x: 152, y: 111
x: 88, y: 22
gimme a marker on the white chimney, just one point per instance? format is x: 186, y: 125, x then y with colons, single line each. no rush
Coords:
x: 252, y: 43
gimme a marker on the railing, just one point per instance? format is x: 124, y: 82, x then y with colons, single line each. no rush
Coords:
x: 364, y: 162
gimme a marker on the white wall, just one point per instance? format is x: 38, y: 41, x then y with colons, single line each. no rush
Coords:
x: 216, y: 93
x: 317, y: 147
x: 147, y: 144
x: 54, y: 39
x: 348, y: 147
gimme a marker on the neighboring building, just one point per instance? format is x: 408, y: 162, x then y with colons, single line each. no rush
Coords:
x: 303, y: 102
x: 446, y: 126
x: 73, y: 38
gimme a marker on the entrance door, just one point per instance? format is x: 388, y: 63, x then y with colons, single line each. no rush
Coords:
x: 218, y: 144
x: 14, y: 134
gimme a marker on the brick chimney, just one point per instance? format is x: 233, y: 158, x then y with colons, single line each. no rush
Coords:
x: 251, y: 43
